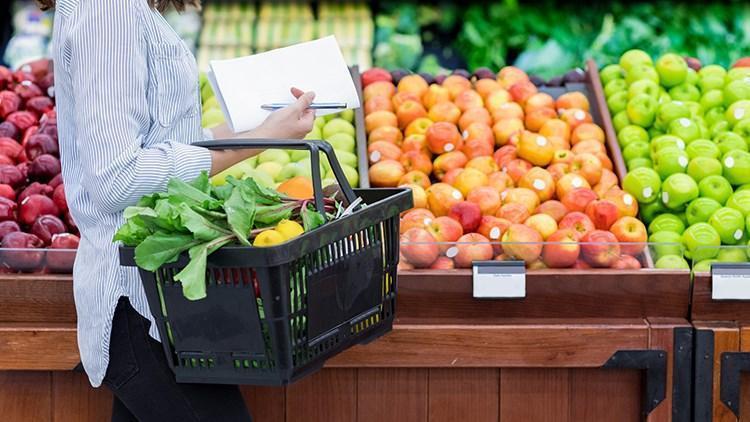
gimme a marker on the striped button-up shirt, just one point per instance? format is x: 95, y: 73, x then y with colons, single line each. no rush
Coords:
x: 128, y: 103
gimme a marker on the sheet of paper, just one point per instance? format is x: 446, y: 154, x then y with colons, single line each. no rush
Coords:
x: 243, y: 84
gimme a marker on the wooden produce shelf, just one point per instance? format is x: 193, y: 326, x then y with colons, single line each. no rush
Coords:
x: 704, y: 308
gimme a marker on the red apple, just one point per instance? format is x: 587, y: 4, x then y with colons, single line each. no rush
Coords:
x: 577, y: 221
x: 626, y: 262
x: 562, y: 249
x: 419, y: 248
x: 473, y: 247
x: 600, y: 248
x: 602, y: 213
x: 467, y: 213
x: 522, y: 242
x: 632, y: 234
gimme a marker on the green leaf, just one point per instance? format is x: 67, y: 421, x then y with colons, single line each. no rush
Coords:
x: 167, y: 217
x: 179, y: 190
x: 201, y: 227
x: 270, y: 215
x: 132, y: 233
x: 240, y: 214
x: 162, y: 248
x: 202, y: 183
x: 222, y: 192
x: 311, y: 219
x: 193, y: 276
x: 253, y: 192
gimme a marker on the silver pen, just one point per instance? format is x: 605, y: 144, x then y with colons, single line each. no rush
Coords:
x: 314, y: 106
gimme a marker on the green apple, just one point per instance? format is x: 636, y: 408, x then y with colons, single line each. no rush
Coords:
x: 738, y: 111
x: 663, y: 96
x: 695, y: 109
x: 211, y: 118
x: 702, y: 148
x: 290, y: 170
x: 685, y: 128
x: 651, y: 210
x: 666, y: 243
x: 644, y: 86
x: 634, y: 57
x: 270, y: 168
x: 337, y: 125
x: 348, y: 158
x: 711, y: 99
x: 235, y: 171
x: 663, y: 142
x: 637, y: 149
x: 211, y: 103
x: 666, y: 223
x: 330, y: 117
x: 324, y: 162
x: 654, y: 133
x: 743, y: 187
x: 682, y: 216
x: 319, y: 122
x: 729, y: 223
x: 692, y: 77
x: 677, y: 190
x: 669, y: 161
x: 342, y: 142
x: 703, y: 266
x: 701, y: 167
x: 315, y: 134
x: 351, y: 175
x: 707, y: 83
x: 328, y: 182
x: 630, y: 134
x: 671, y: 110
x: 610, y: 73
x: 742, y: 128
x: 731, y: 254
x: 639, y: 162
x: 714, y: 115
x: 685, y: 92
x: 614, y: 86
x: 643, y: 183
x: 274, y: 156
x: 736, y: 90
x: 261, y: 178
x: 618, y: 102
x: 700, y: 210
x: 737, y: 73
x: 740, y: 201
x: 347, y: 115
x: 719, y: 128
x: 712, y: 70
x: 672, y: 69
x: 641, y: 72
x: 730, y: 141
x: 672, y: 262
x: 297, y: 155
x: 642, y: 110
x: 621, y: 120
x: 701, y: 241
x: 306, y: 168
x: 737, y: 167
x: 715, y: 187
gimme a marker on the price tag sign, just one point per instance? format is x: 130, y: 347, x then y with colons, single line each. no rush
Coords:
x: 730, y: 281
x: 499, y: 279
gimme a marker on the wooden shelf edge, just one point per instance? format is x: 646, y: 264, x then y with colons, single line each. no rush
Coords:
x: 38, y: 347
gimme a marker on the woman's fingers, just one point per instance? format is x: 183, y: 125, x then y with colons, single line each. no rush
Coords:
x: 303, y: 102
x: 297, y: 92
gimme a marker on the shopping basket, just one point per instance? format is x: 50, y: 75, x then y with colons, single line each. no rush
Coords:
x: 273, y: 315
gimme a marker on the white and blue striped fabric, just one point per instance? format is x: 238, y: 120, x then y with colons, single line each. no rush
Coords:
x: 128, y: 105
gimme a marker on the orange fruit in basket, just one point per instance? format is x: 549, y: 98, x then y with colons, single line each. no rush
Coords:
x: 299, y: 187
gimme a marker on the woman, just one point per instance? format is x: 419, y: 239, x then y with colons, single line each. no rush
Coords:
x: 128, y: 104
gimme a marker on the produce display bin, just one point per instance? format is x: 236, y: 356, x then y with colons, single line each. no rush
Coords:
x: 37, y: 260
x: 722, y: 343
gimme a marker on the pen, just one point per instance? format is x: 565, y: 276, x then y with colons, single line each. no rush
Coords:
x: 314, y: 106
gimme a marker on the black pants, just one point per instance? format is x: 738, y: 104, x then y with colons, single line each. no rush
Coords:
x: 144, y: 387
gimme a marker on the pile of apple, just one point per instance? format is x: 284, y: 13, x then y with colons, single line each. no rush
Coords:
x: 498, y: 170
x: 684, y: 130
x: 33, y: 209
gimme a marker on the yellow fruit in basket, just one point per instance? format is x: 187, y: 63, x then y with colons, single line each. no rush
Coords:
x: 289, y: 229
x: 268, y: 238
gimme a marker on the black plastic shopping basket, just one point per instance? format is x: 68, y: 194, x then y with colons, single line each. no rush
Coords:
x: 320, y: 293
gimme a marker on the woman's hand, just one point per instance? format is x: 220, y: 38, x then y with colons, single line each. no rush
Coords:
x: 292, y: 122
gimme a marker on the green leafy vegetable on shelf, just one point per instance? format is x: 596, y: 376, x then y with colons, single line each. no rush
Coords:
x: 198, y: 218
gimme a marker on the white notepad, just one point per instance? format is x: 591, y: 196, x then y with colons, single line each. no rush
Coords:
x: 243, y: 84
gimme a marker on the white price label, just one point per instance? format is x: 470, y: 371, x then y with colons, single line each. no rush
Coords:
x: 730, y: 282
x: 499, y: 280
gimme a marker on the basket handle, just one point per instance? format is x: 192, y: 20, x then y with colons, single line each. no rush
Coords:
x: 313, y: 146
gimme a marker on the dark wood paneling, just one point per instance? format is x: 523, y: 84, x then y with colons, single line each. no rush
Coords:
x: 549, y: 294
x: 496, y: 346
x: 25, y: 396
x: 36, y: 298
x: 470, y: 394
x: 74, y: 400
x: 328, y: 396
x: 40, y: 346
x: 612, y: 395
x: 725, y: 340
x: 267, y: 404
x: 389, y: 394
x: 662, y: 337
x: 534, y: 395
x: 706, y: 309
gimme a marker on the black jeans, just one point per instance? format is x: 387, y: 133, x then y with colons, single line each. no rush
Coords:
x: 144, y: 387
